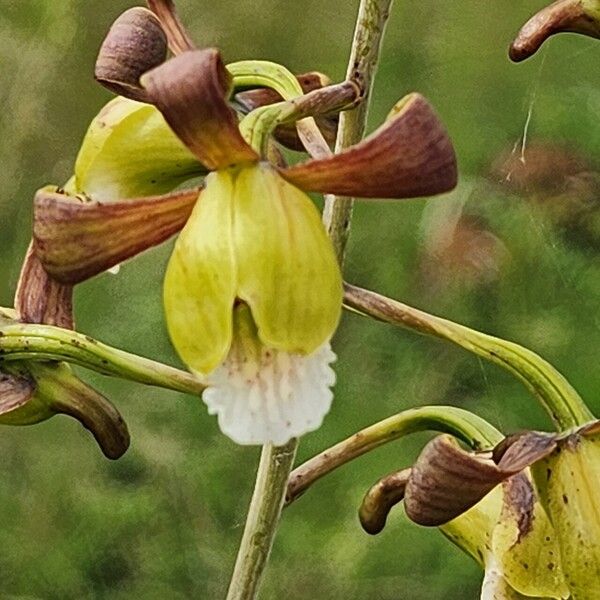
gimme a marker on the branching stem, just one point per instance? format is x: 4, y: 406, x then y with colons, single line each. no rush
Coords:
x: 276, y: 463
x: 30, y: 341
x: 555, y: 393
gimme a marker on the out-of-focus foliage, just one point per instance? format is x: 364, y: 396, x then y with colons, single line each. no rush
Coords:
x: 513, y: 252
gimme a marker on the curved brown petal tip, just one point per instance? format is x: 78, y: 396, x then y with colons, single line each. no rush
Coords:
x: 68, y: 395
x: 521, y: 450
x: 562, y: 16
x: 410, y: 155
x: 191, y: 90
x: 179, y: 40
x: 40, y: 298
x: 446, y: 481
x: 135, y: 43
x: 75, y: 240
x: 380, y: 499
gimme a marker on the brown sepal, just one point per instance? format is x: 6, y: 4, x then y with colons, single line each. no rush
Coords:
x: 446, y: 480
x: 40, y: 298
x: 179, y: 40
x: 135, y: 44
x: 561, y: 16
x: 191, y: 90
x: 76, y: 240
x: 518, y: 451
x: 410, y: 155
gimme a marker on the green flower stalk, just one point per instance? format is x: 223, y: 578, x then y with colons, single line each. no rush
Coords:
x: 253, y: 291
x: 560, y: 400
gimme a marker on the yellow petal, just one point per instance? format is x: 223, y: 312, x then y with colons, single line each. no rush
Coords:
x: 130, y: 151
x: 525, y: 545
x: 496, y: 587
x: 568, y: 483
x: 489, y: 533
x: 200, y: 281
x: 287, y: 270
x: 472, y: 531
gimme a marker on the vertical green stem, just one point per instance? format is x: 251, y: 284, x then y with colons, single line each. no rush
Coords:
x: 276, y: 463
x: 261, y: 523
x: 368, y: 35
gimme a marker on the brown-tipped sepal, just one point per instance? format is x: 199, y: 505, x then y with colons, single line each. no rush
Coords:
x: 32, y: 392
x: 410, y: 155
x: 570, y: 16
x: 446, y: 480
x: 135, y: 44
x: 76, y: 240
x: 191, y: 90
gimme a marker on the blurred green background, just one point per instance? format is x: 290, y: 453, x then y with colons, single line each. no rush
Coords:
x: 514, y: 252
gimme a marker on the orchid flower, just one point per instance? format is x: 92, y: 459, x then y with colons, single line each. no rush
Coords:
x: 526, y: 509
x: 253, y: 290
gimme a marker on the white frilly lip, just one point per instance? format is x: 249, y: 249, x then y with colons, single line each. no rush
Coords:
x: 271, y: 396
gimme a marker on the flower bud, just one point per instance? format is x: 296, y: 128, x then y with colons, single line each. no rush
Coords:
x: 571, y: 16
x: 31, y: 392
x: 129, y: 151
